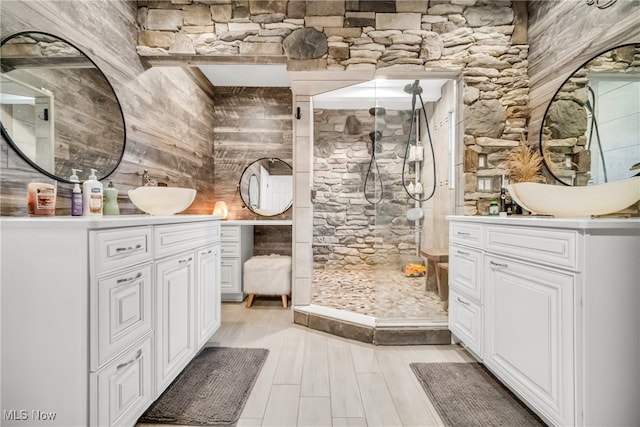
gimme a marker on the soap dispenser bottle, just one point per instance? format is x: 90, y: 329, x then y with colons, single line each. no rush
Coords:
x: 76, y: 193
x: 92, y: 195
x: 111, y: 200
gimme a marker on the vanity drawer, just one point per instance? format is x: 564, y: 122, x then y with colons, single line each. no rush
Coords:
x: 230, y: 249
x: 230, y: 233
x: 465, y: 321
x: 122, y: 391
x: 466, y: 233
x: 548, y: 246
x: 122, y: 312
x: 465, y: 271
x: 120, y: 248
x: 170, y: 239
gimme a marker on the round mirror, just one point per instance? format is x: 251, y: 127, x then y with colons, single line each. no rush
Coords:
x: 58, y: 110
x: 266, y: 186
x: 591, y: 129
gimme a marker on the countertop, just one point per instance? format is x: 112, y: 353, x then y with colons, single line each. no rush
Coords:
x: 97, y: 222
x: 581, y: 223
x: 257, y: 222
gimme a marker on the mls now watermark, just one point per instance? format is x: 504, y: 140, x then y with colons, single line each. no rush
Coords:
x: 27, y: 415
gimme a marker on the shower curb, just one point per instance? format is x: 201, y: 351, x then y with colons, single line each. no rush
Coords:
x: 370, y: 333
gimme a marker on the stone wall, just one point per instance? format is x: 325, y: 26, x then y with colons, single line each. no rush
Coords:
x: 350, y: 232
x: 485, y: 41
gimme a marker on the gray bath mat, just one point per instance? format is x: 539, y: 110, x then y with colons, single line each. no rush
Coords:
x: 466, y: 394
x: 212, y: 389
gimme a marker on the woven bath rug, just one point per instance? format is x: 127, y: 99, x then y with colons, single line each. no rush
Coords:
x: 212, y: 390
x: 466, y: 394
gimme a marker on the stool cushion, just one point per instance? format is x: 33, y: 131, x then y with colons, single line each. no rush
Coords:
x: 268, y: 275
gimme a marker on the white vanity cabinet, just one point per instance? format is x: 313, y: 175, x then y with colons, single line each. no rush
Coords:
x: 100, y: 314
x: 186, y: 283
x: 237, y: 247
x: 465, y: 280
x: 558, y: 302
x: 121, y: 324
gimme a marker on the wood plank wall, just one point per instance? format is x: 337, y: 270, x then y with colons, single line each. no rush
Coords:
x: 249, y: 124
x: 563, y: 35
x: 168, y: 111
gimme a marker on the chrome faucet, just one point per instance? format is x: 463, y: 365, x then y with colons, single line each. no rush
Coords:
x: 146, y: 180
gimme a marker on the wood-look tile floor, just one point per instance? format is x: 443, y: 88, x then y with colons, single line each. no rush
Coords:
x: 311, y: 378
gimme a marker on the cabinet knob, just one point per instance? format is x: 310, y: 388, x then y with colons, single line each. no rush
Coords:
x: 463, y: 233
x: 463, y: 252
x: 182, y: 261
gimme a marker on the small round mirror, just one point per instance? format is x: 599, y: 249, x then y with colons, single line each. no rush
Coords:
x: 266, y: 186
x: 591, y: 129
x: 58, y: 110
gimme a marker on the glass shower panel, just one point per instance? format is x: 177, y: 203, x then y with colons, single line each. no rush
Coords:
x: 410, y: 186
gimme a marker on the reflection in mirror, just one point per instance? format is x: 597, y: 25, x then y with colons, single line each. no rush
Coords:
x: 254, y: 192
x: 57, y: 110
x: 266, y: 186
x: 591, y: 129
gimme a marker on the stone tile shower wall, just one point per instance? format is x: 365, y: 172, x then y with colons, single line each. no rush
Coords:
x: 349, y: 232
x: 484, y: 40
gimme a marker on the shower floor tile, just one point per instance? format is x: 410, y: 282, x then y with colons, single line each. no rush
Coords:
x: 384, y: 294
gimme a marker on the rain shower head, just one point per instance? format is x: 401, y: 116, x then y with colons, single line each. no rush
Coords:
x: 413, y: 89
x: 377, y: 111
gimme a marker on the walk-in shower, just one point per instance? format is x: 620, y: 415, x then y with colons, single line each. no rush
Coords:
x: 381, y: 179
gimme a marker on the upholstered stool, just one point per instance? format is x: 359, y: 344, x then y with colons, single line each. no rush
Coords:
x: 434, y: 256
x: 267, y: 275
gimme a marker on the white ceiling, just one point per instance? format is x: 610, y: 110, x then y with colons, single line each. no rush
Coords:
x: 247, y: 75
x: 387, y: 93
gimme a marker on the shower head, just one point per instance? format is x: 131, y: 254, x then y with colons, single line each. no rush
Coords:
x: 377, y: 111
x: 413, y: 89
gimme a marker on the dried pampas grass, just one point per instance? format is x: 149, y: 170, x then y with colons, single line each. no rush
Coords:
x: 524, y: 163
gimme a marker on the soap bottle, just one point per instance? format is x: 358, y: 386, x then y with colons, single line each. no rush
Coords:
x: 41, y: 198
x: 76, y: 193
x: 111, y: 200
x: 92, y: 195
x: 418, y: 188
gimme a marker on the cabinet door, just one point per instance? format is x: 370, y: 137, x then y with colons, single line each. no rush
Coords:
x: 207, y: 293
x: 231, y: 279
x: 174, y: 316
x: 529, y: 333
x: 465, y: 321
x: 123, y: 389
x: 465, y: 268
x: 122, y: 312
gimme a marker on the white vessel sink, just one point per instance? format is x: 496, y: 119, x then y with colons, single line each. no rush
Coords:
x: 162, y: 200
x: 563, y: 201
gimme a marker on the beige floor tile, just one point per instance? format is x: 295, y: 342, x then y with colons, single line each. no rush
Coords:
x: 314, y: 412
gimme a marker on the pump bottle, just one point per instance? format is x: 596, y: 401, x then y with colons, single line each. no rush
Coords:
x: 92, y: 195
x: 76, y: 193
